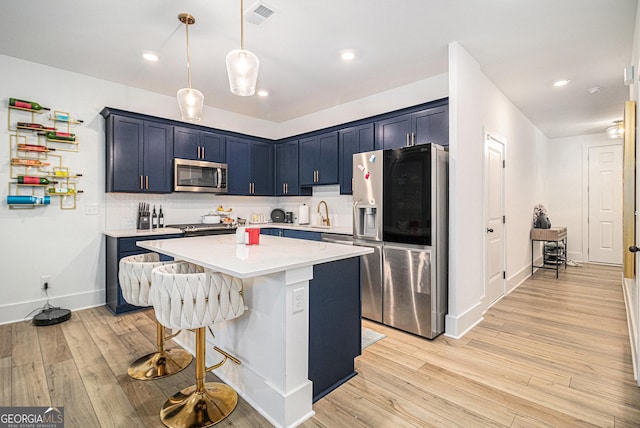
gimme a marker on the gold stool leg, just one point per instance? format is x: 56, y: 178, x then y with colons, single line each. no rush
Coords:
x: 200, y: 405
x: 163, y: 362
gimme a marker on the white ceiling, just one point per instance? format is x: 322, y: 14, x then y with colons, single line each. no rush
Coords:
x: 523, y: 46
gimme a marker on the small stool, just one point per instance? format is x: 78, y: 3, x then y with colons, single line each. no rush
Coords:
x: 185, y: 295
x: 135, y: 280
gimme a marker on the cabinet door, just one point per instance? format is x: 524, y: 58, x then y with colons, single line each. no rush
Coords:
x: 158, y: 157
x: 262, y: 168
x: 352, y: 140
x: 238, y: 160
x: 393, y: 132
x: 186, y: 143
x: 327, y: 163
x: 124, y: 169
x: 309, y: 152
x: 432, y: 126
x: 212, y: 147
x: 287, y: 169
x: 302, y: 234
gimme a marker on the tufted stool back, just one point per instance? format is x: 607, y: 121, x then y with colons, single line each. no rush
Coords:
x: 186, y: 296
x: 134, y: 275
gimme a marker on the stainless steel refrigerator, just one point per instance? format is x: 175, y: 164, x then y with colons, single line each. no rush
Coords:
x: 400, y: 208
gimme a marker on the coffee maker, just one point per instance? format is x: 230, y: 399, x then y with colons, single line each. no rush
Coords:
x: 288, y: 217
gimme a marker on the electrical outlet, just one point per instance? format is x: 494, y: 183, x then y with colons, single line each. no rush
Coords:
x: 45, y: 282
x: 298, y: 300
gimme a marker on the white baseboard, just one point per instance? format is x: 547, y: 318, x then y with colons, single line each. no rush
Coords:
x: 514, y: 281
x: 458, y: 326
x: 23, y: 311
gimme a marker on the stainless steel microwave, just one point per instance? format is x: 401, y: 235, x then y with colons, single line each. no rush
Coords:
x: 199, y: 176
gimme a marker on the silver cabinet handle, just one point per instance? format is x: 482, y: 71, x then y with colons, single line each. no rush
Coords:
x: 198, y: 152
x: 203, y: 155
x: 146, y: 182
x: 141, y: 186
x: 407, y: 145
x: 413, y: 138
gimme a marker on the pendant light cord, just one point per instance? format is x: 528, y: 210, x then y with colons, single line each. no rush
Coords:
x: 241, y: 25
x: 188, y: 56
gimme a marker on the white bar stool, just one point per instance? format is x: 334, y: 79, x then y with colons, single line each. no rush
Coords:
x: 134, y: 275
x: 185, y: 295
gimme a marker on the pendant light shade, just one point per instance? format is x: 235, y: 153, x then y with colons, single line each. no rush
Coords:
x: 616, y: 130
x: 242, y: 66
x: 190, y: 100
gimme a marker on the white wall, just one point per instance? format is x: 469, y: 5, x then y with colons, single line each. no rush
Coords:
x: 477, y: 106
x: 565, y: 184
x: 69, y: 245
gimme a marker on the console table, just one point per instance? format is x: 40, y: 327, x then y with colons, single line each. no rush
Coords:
x: 558, y: 235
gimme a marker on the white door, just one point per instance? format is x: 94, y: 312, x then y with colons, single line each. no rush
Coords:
x: 494, y: 224
x: 605, y: 204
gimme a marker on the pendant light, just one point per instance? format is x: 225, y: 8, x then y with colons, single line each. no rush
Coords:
x: 242, y: 66
x: 190, y: 100
x: 616, y: 130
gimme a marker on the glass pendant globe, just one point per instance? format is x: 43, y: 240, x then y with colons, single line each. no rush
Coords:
x: 242, y: 69
x: 190, y: 102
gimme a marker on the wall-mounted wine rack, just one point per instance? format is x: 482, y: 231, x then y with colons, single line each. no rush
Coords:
x: 37, y: 166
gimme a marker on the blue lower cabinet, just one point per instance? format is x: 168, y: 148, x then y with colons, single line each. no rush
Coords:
x: 117, y: 248
x: 271, y: 231
x: 335, y: 332
x: 302, y: 234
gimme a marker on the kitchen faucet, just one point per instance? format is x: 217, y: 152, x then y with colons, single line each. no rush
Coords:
x: 325, y: 220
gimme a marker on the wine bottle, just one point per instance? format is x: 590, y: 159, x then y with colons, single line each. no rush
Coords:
x: 29, y: 105
x: 29, y: 179
x: 35, y: 126
x: 160, y: 218
x: 154, y: 218
x: 34, y: 148
x: 28, y: 200
x: 63, y: 191
x: 57, y: 135
x: 28, y: 162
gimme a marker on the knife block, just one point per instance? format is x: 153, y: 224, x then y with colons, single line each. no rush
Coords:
x: 143, y: 221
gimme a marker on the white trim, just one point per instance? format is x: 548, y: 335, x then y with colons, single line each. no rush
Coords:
x: 17, y: 312
x: 456, y: 327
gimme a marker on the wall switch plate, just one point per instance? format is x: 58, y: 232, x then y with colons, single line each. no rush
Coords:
x: 298, y: 300
x: 91, y: 209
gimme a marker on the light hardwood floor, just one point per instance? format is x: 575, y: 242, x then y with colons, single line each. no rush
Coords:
x: 552, y: 353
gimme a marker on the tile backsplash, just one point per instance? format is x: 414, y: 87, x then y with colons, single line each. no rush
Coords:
x: 121, y: 208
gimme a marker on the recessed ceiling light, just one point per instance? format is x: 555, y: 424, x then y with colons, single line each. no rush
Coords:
x: 262, y: 93
x: 347, y: 55
x: 563, y: 82
x: 150, y: 56
x: 595, y: 90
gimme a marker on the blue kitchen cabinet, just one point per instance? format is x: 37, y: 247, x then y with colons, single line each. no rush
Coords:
x: 426, y: 126
x: 287, y: 181
x: 250, y: 167
x: 302, y: 234
x: 319, y: 159
x: 335, y: 335
x: 116, y: 249
x: 196, y: 144
x: 139, y: 155
x: 352, y: 140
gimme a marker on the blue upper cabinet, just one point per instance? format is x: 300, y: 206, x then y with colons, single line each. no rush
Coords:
x: 319, y: 159
x: 287, y: 183
x: 198, y: 145
x: 139, y: 155
x: 352, y: 140
x: 422, y: 127
x: 250, y: 167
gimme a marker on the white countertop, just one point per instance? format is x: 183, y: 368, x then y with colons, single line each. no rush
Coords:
x: 127, y: 233
x: 273, y: 254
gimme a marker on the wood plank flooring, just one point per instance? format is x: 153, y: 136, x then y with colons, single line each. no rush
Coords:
x: 554, y: 353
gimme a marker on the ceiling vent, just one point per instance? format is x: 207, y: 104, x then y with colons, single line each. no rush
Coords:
x: 258, y: 13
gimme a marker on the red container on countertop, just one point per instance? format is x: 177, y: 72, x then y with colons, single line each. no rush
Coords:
x: 252, y: 236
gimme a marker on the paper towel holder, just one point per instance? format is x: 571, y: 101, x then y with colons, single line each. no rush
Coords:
x: 303, y: 214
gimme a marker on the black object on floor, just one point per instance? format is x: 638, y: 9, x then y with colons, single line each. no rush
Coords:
x: 51, y: 316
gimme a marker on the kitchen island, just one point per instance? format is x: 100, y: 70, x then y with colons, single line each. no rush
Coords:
x: 272, y: 338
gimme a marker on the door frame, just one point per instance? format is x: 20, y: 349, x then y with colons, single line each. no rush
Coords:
x: 497, y: 138
x: 585, y: 196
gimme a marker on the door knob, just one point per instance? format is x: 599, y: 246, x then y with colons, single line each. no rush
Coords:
x: 634, y: 249
x: 489, y: 230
